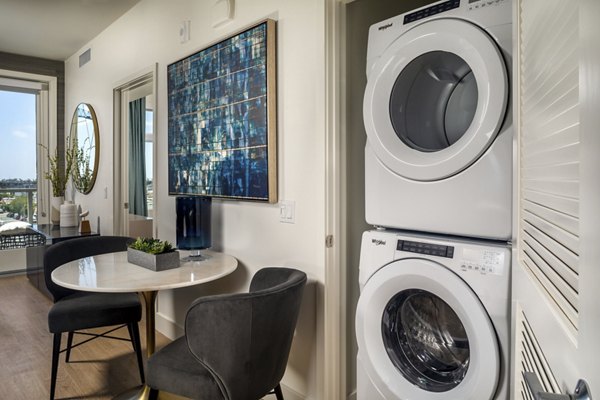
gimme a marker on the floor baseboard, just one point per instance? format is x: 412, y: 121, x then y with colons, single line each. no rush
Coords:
x: 291, y: 394
x: 16, y: 272
x: 168, y: 327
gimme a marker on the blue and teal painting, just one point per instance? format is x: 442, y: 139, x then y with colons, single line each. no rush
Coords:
x: 217, y: 129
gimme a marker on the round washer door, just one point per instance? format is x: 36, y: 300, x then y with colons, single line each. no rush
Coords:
x: 435, y: 99
x: 424, y: 335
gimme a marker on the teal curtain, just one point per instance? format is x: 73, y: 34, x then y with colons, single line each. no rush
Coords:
x: 137, y: 158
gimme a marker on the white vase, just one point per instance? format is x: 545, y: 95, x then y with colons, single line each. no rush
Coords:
x: 68, y: 214
x: 55, y: 204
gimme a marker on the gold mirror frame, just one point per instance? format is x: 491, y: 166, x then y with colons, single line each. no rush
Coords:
x: 85, y: 139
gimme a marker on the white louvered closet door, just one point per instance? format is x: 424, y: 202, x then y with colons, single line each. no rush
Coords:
x: 556, y: 269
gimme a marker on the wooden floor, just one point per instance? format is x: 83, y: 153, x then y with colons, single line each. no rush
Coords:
x: 100, y: 369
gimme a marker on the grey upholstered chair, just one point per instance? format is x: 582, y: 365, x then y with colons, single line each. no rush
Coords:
x: 235, y: 346
x: 76, y: 310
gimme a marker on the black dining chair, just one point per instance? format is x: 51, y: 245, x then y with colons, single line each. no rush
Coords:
x: 235, y: 346
x: 73, y: 310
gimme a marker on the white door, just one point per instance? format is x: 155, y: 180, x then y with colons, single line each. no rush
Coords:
x: 435, y: 99
x: 556, y: 272
x: 126, y: 221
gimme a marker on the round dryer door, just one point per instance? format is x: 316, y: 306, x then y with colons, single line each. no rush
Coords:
x: 435, y: 99
x: 424, y: 335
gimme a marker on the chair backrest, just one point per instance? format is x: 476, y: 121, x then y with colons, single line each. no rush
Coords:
x: 69, y: 250
x: 244, y: 339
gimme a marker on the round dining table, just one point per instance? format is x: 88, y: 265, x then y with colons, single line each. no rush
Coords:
x: 112, y: 273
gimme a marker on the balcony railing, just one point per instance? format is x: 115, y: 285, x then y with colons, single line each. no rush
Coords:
x: 30, y: 192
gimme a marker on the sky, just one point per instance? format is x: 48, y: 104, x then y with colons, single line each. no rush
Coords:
x: 17, y: 135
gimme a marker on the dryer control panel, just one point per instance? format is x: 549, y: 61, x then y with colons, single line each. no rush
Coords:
x: 431, y: 10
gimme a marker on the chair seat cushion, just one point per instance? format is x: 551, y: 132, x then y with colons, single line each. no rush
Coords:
x: 83, y: 310
x: 175, y: 369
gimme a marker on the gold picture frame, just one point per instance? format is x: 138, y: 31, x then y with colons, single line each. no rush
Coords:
x: 222, y: 128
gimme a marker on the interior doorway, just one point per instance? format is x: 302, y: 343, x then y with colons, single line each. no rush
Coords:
x: 134, y: 140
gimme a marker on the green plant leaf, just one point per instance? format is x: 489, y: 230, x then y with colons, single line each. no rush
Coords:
x: 152, y: 246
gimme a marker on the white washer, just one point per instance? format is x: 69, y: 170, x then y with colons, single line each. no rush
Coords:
x: 436, y: 110
x: 433, y: 318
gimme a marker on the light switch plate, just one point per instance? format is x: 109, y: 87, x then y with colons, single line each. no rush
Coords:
x: 287, y: 211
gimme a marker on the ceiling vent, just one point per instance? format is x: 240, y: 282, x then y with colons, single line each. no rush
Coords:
x: 85, y: 57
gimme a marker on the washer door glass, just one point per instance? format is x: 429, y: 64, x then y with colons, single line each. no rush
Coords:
x: 433, y: 101
x: 425, y: 340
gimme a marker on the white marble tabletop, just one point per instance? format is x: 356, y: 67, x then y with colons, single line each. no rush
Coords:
x: 112, y: 273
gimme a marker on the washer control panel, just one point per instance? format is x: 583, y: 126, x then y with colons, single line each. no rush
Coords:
x: 425, y: 248
x: 481, y: 4
x: 483, y: 262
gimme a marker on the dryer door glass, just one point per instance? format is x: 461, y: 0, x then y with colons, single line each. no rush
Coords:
x: 425, y: 340
x: 433, y: 101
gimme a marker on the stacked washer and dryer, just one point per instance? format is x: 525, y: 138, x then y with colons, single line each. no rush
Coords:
x: 433, y: 316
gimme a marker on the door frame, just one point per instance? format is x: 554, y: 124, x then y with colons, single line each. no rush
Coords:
x: 333, y: 384
x: 120, y: 180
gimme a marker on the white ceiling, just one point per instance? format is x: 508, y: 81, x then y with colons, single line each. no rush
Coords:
x: 55, y: 29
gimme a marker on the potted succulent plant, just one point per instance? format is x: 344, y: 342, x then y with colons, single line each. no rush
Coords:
x: 153, y: 254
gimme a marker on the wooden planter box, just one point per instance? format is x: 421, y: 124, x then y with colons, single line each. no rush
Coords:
x: 155, y: 262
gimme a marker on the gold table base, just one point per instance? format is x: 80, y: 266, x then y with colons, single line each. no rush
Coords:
x: 143, y: 392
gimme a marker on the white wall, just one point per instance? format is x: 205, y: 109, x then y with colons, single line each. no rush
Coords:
x: 148, y: 34
x: 12, y: 260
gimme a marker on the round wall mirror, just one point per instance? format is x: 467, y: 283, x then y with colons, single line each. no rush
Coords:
x: 86, y: 147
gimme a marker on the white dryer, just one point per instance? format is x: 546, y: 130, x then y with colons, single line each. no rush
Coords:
x: 436, y: 110
x: 433, y: 318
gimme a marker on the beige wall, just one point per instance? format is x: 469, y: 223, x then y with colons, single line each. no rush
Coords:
x: 250, y: 231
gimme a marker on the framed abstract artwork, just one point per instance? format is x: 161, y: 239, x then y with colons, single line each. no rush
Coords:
x: 222, y: 118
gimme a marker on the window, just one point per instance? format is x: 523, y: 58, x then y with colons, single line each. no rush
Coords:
x: 18, y: 155
x: 28, y: 104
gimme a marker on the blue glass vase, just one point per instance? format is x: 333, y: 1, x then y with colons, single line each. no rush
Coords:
x: 193, y: 224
